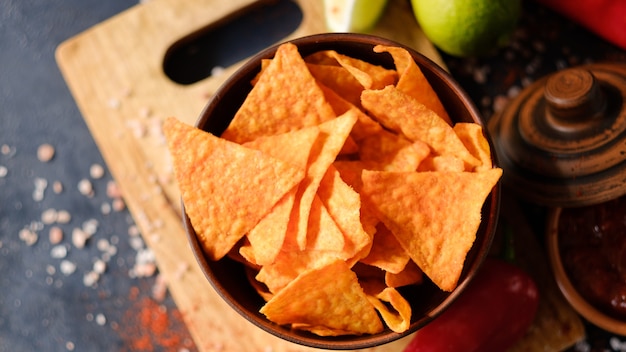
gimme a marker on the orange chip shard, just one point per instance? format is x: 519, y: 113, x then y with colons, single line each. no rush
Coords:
x: 403, y: 114
x: 434, y: 215
x: 471, y: 134
x: 413, y: 82
x: 223, y: 206
x: 285, y: 97
x: 369, y: 75
x: 311, y: 299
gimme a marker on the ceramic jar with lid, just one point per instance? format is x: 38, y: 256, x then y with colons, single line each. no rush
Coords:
x: 562, y: 144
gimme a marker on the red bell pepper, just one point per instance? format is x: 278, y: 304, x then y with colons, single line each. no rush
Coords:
x: 605, y: 18
x: 494, y: 312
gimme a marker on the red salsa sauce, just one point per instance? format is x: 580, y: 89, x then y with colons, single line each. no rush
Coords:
x: 592, y: 242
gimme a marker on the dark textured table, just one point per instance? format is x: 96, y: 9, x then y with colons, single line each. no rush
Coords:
x: 96, y: 288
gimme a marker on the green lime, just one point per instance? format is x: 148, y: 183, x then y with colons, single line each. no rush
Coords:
x: 466, y: 28
x: 352, y: 15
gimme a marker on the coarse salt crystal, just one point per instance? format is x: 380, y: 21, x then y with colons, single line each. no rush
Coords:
x: 101, y: 319
x: 99, y: 266
x: 90, y: 226
x: 113, y: 190
x: 55, y: 235
x: 57, y: 187
x: 45, y: 152
x: 67, y: 267
x: 49, y: 216
x: 79, y: 237
x: 96, y: 171
x: 63, y: 217
x: 91, y: 278
x: 58, y: 252
x: 28, y: 236
x: 3, y: 171
x: 85, y: 188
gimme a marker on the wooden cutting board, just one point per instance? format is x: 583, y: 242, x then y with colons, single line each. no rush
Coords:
x: 114, y: 71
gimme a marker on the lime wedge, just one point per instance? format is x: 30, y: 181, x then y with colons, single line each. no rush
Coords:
x: 352, y: 15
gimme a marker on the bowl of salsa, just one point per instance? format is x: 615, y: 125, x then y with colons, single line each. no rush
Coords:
x: 587, y: 250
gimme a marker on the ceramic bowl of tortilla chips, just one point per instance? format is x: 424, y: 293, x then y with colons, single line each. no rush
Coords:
x: 339, y: 191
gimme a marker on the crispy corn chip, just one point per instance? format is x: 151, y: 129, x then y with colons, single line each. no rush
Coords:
x: 333, y: 136
x: 413, y: 82
x: 223, y: 206
x: 471, y: 134
x: 392, y: 307
x: 434, y: 215
x: 403, y: 114
x: 311, y: 299
x: 386, y: 252
x: 284, y: 98
x: 369, y: 75
x: 410, y: 275
x: 392, y: 152
x: 340, y: 80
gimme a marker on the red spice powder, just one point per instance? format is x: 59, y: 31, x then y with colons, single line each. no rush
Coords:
x: 149, y: 326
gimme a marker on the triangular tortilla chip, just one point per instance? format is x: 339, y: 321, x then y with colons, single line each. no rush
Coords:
x: 401, y: 113
x: 471, y: 134
x: 413, y: 82
x: 386, y: 252
x: 330, y: 142
x: 312, y: 299
x: 223, y: 206
x: 434, y: 215
x: 284, y: 98
x: 369, y: 75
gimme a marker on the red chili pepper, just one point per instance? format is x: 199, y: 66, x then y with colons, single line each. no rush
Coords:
x: 606, y: 18
x: 493, y: 313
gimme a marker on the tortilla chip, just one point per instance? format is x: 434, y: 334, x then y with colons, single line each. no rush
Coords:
x: 344, y: 205
x: 223, y: 206
x: 370, y: 76
x: 403, y: 114
x: 433, y: 215
x: 332, y: 138
x: 410, y: 275
x: 311, y: 299
x: 340, y: 80
x: 392, y: 307
x: 392, y: 152
x: 413, y: 82
x: 471, y: 134
x: 284, y: 98
x: 386, y: 252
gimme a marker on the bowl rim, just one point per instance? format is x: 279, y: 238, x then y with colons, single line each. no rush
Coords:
x: 580, y: 304
x: 490, y: 214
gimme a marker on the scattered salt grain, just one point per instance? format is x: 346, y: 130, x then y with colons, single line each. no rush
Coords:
x: 67, y: 268
x: 57, y: 187
x: 29, y: 236
x: 63, y: 217
x: 99, y: 266
x: 91, y: 278
x: 45, y: 152
x: 79, y: 238
x: 55, y: 235
x: 90, y: 226
x: 49, y: 216
x: 69, y: 345
x: 105, y: 208
x: 118, y: 204
x: 40, y: 187
x: 3, y: 171
x: 85, y: 187
x: 58, y: 252
x: 101, y: 319
x: 113, y: 190
x: 96, y: 171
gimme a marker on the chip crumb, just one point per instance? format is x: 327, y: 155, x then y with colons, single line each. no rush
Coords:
x: 96, y: 171
x: 29, y: 236
x: 55, y: 235
x: 85, y: 188
x: 45, y: 152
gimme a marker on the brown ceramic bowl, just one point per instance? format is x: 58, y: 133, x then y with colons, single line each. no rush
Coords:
x: 427, y: 301
x: 587, y: 310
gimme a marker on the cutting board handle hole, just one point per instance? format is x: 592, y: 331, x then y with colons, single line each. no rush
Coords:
x: 232, y: 39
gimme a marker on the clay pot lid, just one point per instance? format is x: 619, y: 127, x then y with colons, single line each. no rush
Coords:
x: 562, y: 141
